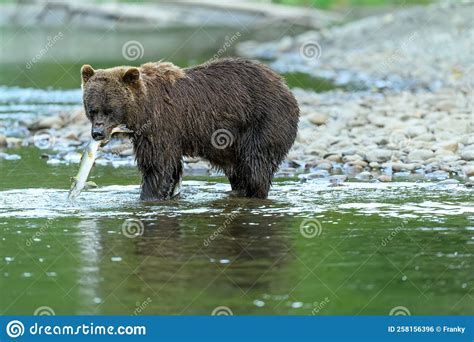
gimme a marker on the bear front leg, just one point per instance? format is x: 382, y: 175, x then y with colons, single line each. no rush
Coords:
x: 159, y: 184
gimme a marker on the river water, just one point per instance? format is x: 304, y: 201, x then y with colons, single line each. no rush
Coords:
x: 311, y: 248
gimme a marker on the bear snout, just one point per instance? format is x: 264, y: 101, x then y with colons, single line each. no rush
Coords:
x: 98, y: 133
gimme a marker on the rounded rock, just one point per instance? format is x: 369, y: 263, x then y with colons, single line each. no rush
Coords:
x: 420, y: 155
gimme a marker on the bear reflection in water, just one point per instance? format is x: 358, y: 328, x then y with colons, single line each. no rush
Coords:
x: 177, y: 252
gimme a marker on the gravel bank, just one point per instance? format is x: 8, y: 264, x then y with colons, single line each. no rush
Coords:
x: 426, y: 47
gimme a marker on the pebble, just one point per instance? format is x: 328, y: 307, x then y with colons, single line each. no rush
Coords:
x: 318, y: 119
x: 53, y: 161
x: 467, y: 154
x: 384, y: 178
x: 315, y: 174
x: 401, y: 174
x: 399, y: 166
x: 366, y: 175
x: 437, y: 175
x: 420, y: 155
x: 127, y: 152
x: 415, y: 131
x: 374, y: 165
x: 468, y: 170
x: 73, y: 157
x: 379, y: 155
x: 337, y: 158
x: 14, y: 142
x: 55, y: 122
x: 452, y: 146
x: 360, y: 163
x: 7, y: 156
x: 325, y: 166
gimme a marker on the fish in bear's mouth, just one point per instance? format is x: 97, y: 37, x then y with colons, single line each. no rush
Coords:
x: 80, y: 182
x: 118, y: 130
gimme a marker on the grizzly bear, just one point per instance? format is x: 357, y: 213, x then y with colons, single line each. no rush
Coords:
x: 236, y: 113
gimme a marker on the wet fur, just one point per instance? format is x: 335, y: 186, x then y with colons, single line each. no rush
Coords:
x: 174, y: 113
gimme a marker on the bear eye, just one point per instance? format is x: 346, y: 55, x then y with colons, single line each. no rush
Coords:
x: 107, y: 112
x: 92, y: 112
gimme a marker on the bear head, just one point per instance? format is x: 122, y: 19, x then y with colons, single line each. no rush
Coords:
x: 109, y: 97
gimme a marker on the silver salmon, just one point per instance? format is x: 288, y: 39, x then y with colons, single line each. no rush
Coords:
x: 87, y: 161
x: 80, y: 182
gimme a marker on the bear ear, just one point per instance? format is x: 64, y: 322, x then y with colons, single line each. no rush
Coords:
x: 86, y: 72
x: 132, y: 75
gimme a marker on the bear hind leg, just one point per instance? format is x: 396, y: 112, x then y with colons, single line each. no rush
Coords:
x: 236, y: 184
x: 255, y: 178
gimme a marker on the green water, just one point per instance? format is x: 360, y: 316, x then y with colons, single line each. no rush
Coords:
x: 375, y: 246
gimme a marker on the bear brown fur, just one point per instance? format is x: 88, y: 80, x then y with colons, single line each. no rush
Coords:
x: 236, y: 113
